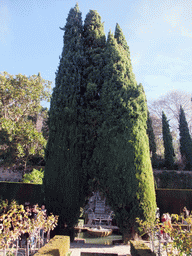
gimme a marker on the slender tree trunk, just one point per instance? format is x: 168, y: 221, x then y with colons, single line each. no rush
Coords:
x: 129, y: 234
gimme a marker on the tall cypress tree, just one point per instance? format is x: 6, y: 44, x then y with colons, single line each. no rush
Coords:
x: 152, y: 143
x: 185, y: 140
x: 65, y: 180
x: 168, y: 143
x: 122, y: 42
x: 94, y: 42
x: 122, y: 149
x: 97, y: 128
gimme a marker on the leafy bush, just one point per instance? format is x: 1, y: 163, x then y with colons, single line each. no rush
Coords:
x: 16, y: 221
x: 35, y: 177
x: 181, y: 235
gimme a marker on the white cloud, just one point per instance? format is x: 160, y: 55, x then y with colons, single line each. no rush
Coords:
x: 135, y: 59
x: 162, y: 84
x: 180, y: 17
x: 162, y: 17
x: 185, y: 31
x: 173, y: 16
x: 173, y: 66
x: 170, y: 62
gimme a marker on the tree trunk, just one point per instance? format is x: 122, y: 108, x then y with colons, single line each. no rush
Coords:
x: 129, y: 234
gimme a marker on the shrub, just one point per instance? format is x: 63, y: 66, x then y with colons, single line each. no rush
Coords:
x: 138, y: 248
x: 35, y: 177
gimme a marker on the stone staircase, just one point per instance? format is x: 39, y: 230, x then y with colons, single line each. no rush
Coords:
x: 97, y: 208
x: 100, y: 209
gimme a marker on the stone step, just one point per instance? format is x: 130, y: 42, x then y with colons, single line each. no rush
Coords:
x: 100, y: 202
x: 97, y: 215
x: 99, y: 206
x: 105, y: 216
x: 99, y: 210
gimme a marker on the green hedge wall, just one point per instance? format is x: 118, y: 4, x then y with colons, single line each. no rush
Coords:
x: 173, y: 179
x: 22, y: 192
x: 168, y: 200
x: 173, y: 200
x: 57, y: 246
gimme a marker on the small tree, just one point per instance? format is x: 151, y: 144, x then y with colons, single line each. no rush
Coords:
x: 168, y: 144
x: 20, y: 98
x: 152, y: 143
x: 185, y: 140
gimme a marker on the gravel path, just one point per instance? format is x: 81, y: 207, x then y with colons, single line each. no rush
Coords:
x: 77, y: 248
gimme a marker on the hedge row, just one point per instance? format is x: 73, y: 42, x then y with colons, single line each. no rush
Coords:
x: 168, y: 200
x: 59, y: 245
x: 21, y: 192
x: 173, y: 179
x: 139, y: 248
x: 173, y: 200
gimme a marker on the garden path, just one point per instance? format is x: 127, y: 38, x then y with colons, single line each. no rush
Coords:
x: 77, y: 248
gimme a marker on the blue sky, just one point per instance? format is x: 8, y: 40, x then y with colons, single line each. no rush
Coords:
x: 158, y: 32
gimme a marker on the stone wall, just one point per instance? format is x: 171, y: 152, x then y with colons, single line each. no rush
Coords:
x: 9, y: 175
x: 163, y: 178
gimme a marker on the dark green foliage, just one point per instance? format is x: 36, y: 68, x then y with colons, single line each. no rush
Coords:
x: 20, y: 97
x: 97, y: 128
x: 21, y: 192
x: 121, y: 39
x: 94, y: 42
x: 152, y: 143
x: 65, y: 181
x: 174, y: 200
x: 168, y: 143
x: 45, y: 127
x: 173, y: 180
x: 122, y: 149
x: 123, y: 43
x: 185, y: 140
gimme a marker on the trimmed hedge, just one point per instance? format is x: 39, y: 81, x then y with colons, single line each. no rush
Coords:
x: 168, y: 200
x: 173, y: 200
x: 57, y: 246
x: 138, y: 248
x: 21, y: 192
x: 98, y: 254
x: 173, y: 179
